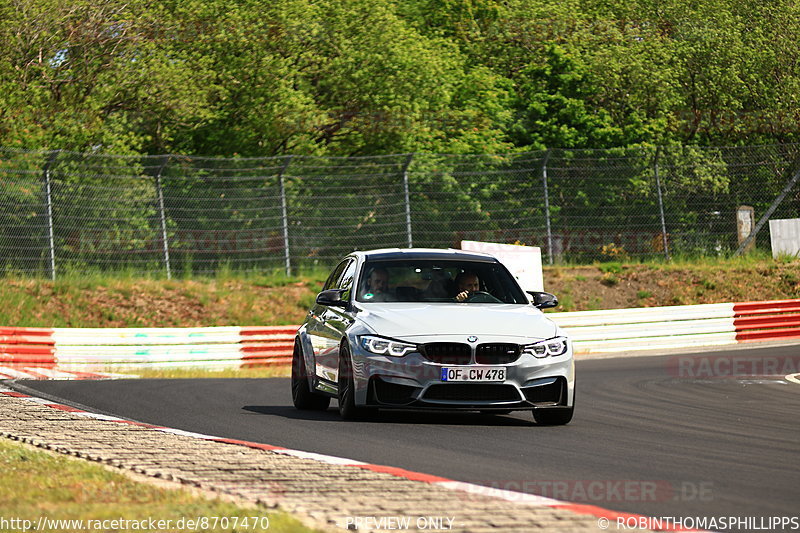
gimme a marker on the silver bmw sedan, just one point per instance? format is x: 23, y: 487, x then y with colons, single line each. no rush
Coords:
x: 431, y: 329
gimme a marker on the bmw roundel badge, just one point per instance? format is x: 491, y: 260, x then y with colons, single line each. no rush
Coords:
x: 472, y: 338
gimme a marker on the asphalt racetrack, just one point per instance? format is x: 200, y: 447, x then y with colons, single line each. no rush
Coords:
x: 660, y: 436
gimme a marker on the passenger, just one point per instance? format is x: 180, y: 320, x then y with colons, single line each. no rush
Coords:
x: 376, y: 287
x: 466, y: 284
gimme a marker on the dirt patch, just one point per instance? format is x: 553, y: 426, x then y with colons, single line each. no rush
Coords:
x: 150, y: 303
x: 623, y: 286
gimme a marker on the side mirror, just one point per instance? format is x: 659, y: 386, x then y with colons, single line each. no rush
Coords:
x: 543, y: 300
x: 331, y: 297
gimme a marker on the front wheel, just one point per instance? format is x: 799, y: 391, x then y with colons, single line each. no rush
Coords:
x: 302, y: 397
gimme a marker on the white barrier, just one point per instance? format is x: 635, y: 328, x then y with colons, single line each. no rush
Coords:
x: 593, y: 332
x: 146, y: 345
x: 649, y: 328
x: 97, y: 347
x: 145, y: 336
x: 642, y: 315
x: 147, y: 354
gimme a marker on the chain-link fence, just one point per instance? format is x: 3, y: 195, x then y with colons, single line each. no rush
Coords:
x: 179, y: 215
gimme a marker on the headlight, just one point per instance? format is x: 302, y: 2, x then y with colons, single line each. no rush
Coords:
x: 550, y: 347
x: 381, y: 346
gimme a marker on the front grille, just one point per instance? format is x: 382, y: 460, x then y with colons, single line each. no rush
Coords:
x: 552, y: 393
x: 481, y: 392
x: 392, y: 393
x: 447, y: 353
x: 497, y: 354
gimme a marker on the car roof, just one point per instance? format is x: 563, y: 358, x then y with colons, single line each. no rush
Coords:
x: 426, y: 253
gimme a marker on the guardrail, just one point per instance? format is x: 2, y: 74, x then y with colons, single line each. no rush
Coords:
x: 216, y: 346
x: 756, y: 321
x: 648, y: 328
x: 592, y: 332
x: 27, y: 345
x: 685, y: 326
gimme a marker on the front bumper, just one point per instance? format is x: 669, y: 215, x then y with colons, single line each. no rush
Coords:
x: 548, y: 392
x: 414, y: 382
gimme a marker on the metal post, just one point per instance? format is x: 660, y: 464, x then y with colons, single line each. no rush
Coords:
x: 661, y: 205
x: 49, y: 202
x: 547, y: 208
x: 763, y: 220
x: 408, y: 199
x: 285, y: 216
x: 162, y: 213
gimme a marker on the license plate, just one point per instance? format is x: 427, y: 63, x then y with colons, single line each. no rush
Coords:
x: 473, y: 373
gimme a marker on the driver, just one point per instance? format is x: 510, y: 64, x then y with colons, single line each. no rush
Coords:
x: 466, y: 283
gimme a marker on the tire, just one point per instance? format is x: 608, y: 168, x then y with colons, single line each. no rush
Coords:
x: 346, y: 385
x: 302, y: 397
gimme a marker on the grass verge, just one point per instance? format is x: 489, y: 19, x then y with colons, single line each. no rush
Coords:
x: 36, y: 483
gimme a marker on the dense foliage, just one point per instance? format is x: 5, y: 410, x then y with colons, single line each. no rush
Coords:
x: 275, y: 77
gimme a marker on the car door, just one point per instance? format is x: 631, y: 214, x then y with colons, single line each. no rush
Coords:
x: 315, y: 324
x: 333, y: 324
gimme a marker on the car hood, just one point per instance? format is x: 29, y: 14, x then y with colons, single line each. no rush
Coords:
x: 407, y: 320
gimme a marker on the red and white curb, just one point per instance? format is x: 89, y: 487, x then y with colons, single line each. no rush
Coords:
x: 459, y: 486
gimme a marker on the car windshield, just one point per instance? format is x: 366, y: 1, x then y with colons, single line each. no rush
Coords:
x: 438, y: 281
